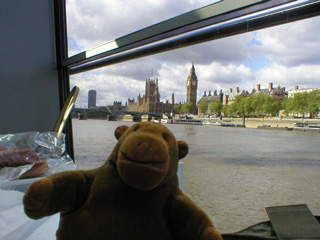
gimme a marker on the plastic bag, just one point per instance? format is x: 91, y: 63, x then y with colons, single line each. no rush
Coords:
x: 47, y: 145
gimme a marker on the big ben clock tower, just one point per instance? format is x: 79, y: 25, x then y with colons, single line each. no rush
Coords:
x: 192, y: 86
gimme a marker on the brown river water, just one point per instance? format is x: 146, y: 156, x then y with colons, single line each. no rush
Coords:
x: 233, y: 174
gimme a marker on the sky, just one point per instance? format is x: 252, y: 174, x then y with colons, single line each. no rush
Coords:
x: 285, y: 55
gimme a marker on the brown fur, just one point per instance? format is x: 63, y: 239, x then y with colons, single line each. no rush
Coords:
x: 134, y: 195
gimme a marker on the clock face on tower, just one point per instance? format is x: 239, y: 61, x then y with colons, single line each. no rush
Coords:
x: 194, y: 83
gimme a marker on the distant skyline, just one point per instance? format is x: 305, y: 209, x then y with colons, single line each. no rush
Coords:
x: 207, y: 93
x: 286, y: 55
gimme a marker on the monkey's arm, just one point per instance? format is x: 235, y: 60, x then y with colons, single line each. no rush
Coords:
x: 62, y: 192
x: 188, y: 221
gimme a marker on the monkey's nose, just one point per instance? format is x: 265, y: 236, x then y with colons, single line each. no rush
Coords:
x: 144, y: 146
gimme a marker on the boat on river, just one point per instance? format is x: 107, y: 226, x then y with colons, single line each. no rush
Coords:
x: 232, y: 125
x: 166, y: 121
x: 188, y: 121
x: 222, y: 124
x: 307, y: 127
x: 268, y: 127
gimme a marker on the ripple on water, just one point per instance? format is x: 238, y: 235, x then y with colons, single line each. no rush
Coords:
x: 233, y: 174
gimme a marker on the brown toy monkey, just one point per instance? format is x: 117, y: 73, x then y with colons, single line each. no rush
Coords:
x: 134, y: 195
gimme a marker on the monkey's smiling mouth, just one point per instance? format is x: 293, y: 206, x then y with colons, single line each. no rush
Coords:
x: 147, y: 162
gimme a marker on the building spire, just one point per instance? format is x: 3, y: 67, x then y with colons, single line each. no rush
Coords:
x: 192, y: 71
x: 192, y: 85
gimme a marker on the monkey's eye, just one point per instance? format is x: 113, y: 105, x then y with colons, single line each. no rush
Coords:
x: 136, y: 128
x: 165, y: 136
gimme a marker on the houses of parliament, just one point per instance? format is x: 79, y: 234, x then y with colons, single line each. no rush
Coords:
x: 150, y: 101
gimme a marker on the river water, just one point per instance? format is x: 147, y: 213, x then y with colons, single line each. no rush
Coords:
x: 231, y: 173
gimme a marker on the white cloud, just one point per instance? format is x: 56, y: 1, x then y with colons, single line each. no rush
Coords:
x: 291, y: 44
x: 217, y: 76
x: 304, y: 76
x: 93, y: 22
x: 275, y: 73
x: 286, y: 55
x: 109, y: 88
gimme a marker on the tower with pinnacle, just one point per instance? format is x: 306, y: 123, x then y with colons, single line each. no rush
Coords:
x: 150, y: 101
x: 192, y: 86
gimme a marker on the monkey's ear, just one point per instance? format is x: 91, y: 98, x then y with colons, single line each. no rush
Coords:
x: 119, y: 131
x: 183, y: 149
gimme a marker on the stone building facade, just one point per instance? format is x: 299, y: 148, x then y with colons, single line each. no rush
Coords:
x: 230, y: 97
x: 192, y: 87
x: 296, y: 90
x: 210, y: 98
x: 150, y: 101
x: 278, y: 92
x: 117, y: 106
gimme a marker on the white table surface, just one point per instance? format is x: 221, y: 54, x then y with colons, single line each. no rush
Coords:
x: 15, y: 225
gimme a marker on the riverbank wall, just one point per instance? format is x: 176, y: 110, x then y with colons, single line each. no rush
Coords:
x: 250, y: 122
x: 272, y: 122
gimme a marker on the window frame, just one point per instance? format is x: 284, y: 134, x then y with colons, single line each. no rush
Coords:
x: 174, y: 33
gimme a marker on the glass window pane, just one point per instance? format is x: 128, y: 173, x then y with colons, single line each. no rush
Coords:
x: 93, y: 23
x: 233, y: 173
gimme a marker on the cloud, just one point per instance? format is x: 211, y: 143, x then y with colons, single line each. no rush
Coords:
x: 304, y: 76
x: 286, y: 55
x: 93, y: 22
x: 109, y: 88
x: 275, y: 73
x: 139, y: 69
x: 290, y: 44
